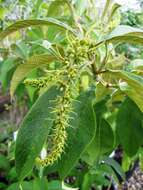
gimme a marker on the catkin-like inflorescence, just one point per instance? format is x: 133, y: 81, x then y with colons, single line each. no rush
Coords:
x: 37, y: 83
x: 62, y: 110
x: 43, y: 82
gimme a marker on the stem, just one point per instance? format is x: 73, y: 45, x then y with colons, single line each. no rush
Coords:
x: 110, y: 183
x: 71, y: 9
x: 105, y: 58
x: 108, y: 2
x: 20, y: 186
x: 41, y: 172
x: 74, y: 16
x: 100, y: 72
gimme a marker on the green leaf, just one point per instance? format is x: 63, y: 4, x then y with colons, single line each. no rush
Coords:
x: 117, y: 96
x: 126, y: 162
x: 21, y: 50
x: 31, y: 90
x: 101, y: 92
x: 37, y: 184
x: 105, y: 10
x: 116, y: 63
x: 80, y: 134
x: 123, y: 30
x: 6, y: 66
x: 133, y: 88
x: 137, y: 64
x: 100, y: 108
x: 28, y: 23
x: 55, y: 8
x: 115, y: 165
x: 124, y: 33
x: 3, y: 185
x: 132, y: 93
x: 114, y: 9
x: 34, y: 131
x: 105, y: 137
x: 23, y: 70
x: 55, y: 185
x: 107, y: 170
x: 25, y: 186
x: 87, y: 181
x: 40, y: 184
x: 129, y: 127
x: 3, y: 11
x: 81, y: 6
x: 12, y: 175
x: 36, y: 8
x: 4, y: 163
x: 102, y: 143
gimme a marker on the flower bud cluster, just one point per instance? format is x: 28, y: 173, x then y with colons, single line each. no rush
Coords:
x: 80, y: 50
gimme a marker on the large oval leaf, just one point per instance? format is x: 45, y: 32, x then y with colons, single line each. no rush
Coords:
x: 124, y: 33
x: 23, y: 70
x: 102, y: 143
x: 34, y: 131
x: 129, y: 127
x: 27, y: 23
x: 80, y: 134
